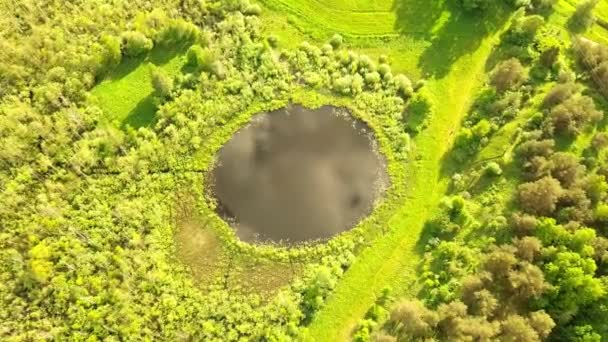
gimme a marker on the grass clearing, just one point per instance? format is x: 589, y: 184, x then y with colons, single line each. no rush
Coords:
x: 126, y: 95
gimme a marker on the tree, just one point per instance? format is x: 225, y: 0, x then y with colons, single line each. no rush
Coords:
x: 523, y: 224
x: 517, y: 328
x: 528, y: 248
x: 508, y: 75
x: 560, y: 93
x: 110, y: 54
x: 204, y: 60
x: 540, y: 197
x: 574, y: 284
x: 178, y: 31
x: 162, y: 83
x: 412, y: 319
x: 542, y: 323
x: 570, y: 116
x: 135, y: 44
x: 583, y: 17
x: 566, y: 168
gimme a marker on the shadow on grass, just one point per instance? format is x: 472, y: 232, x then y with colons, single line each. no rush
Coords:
x: 429, y: 231
x: 461, y: 35
x: 143, y: 115
x: 417, y: 16
x: 160, y: 55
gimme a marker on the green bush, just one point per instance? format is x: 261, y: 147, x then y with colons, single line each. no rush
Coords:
x: 416, y: 113
x: 273, y: 40
x: 135, y: 44
x: 162, y: 83
x: 493, y: 169
x: 403, y: 85
x: 372, y: 78
x: 110, y: 55
x: 178, y: 31
x: 253, y: 9
x: 336, y: 41
x: 200, y: 58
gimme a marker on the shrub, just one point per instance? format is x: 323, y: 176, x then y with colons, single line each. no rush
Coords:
x: 403, y: 85
x: 533, y: 148
x: 508, y: 75
x: 111, y: 54
x: 542, y: 5
x: 273, y: 40
x: 540, y: 197
x: 252, y: 9
x: 336, y: 41
x: 135, y: 44
x: 416, y: 113
x: 583, y: 17
x: 162, y: 83
x: 566, y: 168
x: 601, y: 213
x: 419, y: 84
x: 559, y: 94
x: 366, y: 63
x: 571, y: 115
x: 343, y: 84
x: 384, y: 69
x: 204, y: 60
x: 549, y: 46
x: 372, y: 78
x: 412, y: 319
x: 600, y: 141
x: 493, y: 169
x: 566, y: 76
x: 523, y: 29
x: 178, y: 31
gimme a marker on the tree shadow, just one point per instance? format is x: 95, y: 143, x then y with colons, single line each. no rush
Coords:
x: 462, y: 34
x: 417, y: 16
x: 429, y: 231
x: 143, y: 115
x: 159, y: 55
x: 162, y: 54
x: 126, y: 66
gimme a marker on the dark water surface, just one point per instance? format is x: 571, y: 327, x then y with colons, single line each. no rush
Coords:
x: 297, y: 174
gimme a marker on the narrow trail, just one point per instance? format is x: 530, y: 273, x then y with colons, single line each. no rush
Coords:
x: 393, y: 258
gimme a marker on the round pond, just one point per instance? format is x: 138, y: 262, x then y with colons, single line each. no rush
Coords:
x: 298, y: 174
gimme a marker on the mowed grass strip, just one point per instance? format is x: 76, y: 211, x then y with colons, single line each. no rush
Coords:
x: 392, y: 260
x: 362, y: 18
